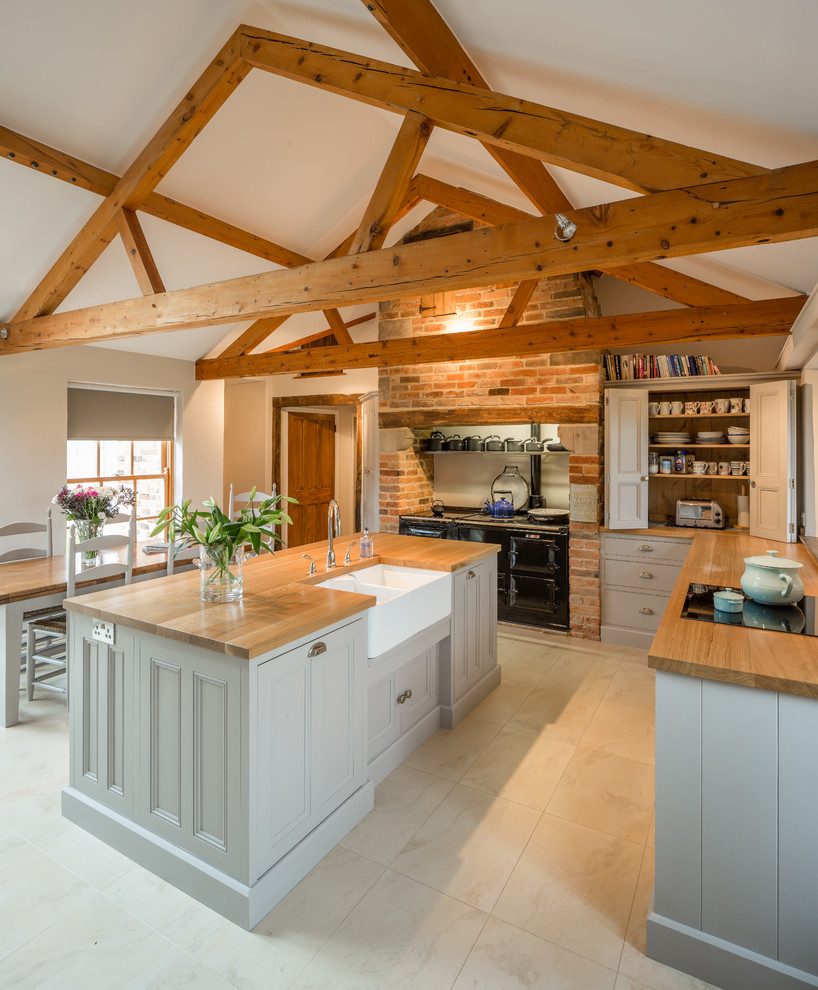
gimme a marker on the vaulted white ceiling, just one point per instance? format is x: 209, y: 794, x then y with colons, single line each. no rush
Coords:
x: 96, y: 78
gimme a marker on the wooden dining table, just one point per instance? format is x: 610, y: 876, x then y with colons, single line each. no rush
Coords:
x: 41, y: 582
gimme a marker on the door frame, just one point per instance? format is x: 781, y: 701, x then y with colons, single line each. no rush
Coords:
x: 296, y: 402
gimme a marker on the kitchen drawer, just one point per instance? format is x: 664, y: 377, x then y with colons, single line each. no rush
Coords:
x: 645, y: 547
x: 641, y: 575
x: 632, y: 610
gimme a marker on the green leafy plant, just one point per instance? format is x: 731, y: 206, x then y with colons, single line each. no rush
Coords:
x: 221, y: 536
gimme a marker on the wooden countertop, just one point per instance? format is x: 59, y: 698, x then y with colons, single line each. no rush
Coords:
x: 280, y: 603
x: 759, y: 658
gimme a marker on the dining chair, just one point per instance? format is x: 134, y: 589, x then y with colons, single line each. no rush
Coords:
x: 183, y: 557
x: 23, y: 529
x: 46, y: 635
x: 237, y: 502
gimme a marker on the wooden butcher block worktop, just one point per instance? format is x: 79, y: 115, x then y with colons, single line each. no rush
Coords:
x: 280, y: 603
x: 759, y: 658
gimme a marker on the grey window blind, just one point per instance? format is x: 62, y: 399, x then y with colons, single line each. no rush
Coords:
x: 98, y: 414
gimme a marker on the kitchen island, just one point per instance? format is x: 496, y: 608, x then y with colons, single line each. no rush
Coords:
x: 736, y: 890
x: 227, y: 747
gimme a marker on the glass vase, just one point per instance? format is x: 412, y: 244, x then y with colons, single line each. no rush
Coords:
x: 221, y: 574
x: 89, y: 529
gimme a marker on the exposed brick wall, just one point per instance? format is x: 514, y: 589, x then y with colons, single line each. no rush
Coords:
x: 570, y: 379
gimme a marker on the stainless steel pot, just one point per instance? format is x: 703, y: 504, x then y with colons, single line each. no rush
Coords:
x: 515, y: 446
x: 435, y: 442
x: 453, y: 443
x: 494, y: 443
x: 475, y: 443
x: 534, y: 446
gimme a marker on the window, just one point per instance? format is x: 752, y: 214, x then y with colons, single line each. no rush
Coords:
x: 144, y: 465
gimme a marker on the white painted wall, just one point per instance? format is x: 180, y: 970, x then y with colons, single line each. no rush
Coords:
x: 34, y: 416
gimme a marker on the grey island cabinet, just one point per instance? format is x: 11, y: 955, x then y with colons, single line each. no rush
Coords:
x: 736, y: 888
x: 225, y: 747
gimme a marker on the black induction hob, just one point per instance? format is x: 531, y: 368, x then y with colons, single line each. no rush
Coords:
x: 799, y: 619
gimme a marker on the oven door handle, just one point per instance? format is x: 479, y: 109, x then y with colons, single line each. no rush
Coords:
x: 434, y: 533
x: 512, y: 591
x: 512, y: 558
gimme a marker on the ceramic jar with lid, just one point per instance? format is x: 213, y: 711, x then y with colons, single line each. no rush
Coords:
x: 772, y: 580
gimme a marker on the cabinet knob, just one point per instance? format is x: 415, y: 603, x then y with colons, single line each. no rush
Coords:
x: 752, y: 484
x: 646, y: 575
x: 644, y: 477
x: 403, y: 698
x: 470, y: 575
x: 317, y: 649
x: 646, y: 611
x: 646, y: 548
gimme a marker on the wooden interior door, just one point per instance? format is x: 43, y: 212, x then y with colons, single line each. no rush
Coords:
x: 310, y: 474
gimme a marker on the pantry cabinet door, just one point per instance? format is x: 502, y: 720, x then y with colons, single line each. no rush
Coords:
x: 772, y: 461
x: 626, y: 458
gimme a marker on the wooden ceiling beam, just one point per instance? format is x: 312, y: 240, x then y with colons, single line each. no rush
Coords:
x: 780, y: 206
x: 392, y: 184
x: 604, y: 151
x: 205, y: 97
x: 519, y: 300
x: 49, y: 161
x: 429, y: 42
x: 310, y: 337
x: 139, y: 253
x: 767, y: 318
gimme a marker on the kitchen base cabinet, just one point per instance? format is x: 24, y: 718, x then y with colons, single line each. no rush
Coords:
x: 638, y: 574
x: 229, y: 778
x: 736, y: 890
x: 402, y: 709
x: 469, y: 657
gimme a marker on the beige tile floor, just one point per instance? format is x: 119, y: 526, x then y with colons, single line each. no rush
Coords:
x: 514, y: 852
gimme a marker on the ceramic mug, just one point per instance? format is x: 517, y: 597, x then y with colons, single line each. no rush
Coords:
x: 691, y: 408
x: 722, y: 405
x: 664, y: 408
x: 699, y: 467
x: 746, y: 405
x: 653, y: 408
x: 677, y: 408
x: 738, y: 467
x: 712, y: 467
x: 706, y: 407
x: 736, y: 405
x: 724, y: 467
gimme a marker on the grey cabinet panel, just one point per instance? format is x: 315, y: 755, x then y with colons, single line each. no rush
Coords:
x: 739, y: 815
x: 798, y: 815
x: 678, y: 798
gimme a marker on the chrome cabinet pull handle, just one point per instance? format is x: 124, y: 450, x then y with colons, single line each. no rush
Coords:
x: 646, y: 611
x: 646, y: 548
x: 317, y: 649
x: 646, y: 575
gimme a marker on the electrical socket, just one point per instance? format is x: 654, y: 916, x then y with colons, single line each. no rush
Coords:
x: 103, y: 631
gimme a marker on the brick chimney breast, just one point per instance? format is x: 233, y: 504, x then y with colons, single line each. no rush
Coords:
x: 453, y: 393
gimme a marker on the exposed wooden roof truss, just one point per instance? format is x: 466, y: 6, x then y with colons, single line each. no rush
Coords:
x: 692, y: 202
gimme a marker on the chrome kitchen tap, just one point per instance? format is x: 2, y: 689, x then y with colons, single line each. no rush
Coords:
x: 333, y: 508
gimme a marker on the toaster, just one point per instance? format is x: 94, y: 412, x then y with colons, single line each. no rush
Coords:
x: 706, y: 513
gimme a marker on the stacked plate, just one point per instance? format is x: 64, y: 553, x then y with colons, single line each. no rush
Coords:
x: 671, y: 438
x: 710, y: 437
x: 738, y: 434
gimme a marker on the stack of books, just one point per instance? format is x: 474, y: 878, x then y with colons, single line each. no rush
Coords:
x: 631, y: 367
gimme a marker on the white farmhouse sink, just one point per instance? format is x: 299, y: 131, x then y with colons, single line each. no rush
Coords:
x: 409, y: 599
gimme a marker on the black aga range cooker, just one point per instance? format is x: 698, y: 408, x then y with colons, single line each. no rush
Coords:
x: 532, y: 565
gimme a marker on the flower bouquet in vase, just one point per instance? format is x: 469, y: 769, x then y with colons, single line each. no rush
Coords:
x: 89, y: 508
x: 222, y: 540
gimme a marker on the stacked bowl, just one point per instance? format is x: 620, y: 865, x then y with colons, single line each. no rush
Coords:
x: 710, y: 437
x: 738, y: 434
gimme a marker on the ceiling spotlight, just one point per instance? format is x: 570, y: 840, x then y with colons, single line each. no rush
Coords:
x: 565, y: 228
